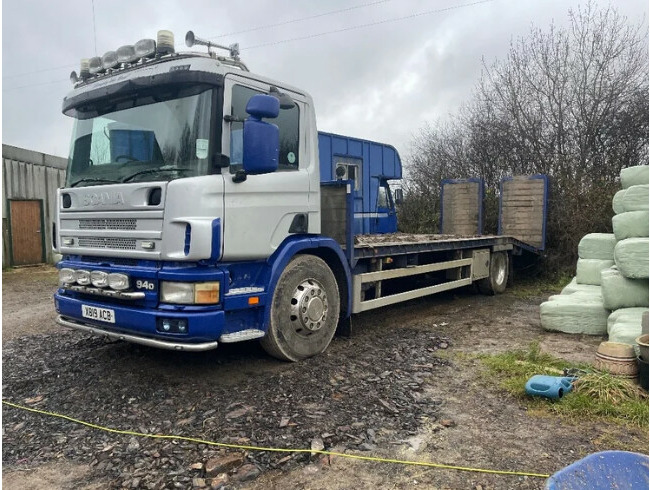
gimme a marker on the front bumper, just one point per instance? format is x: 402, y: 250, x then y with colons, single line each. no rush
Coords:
x: 161, y: 344
x: 137, y: 324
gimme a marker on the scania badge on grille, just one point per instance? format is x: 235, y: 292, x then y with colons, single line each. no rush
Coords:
x: 102, y: 199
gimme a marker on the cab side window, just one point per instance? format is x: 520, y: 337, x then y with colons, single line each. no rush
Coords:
x: 288, y: 123
x: 382, y: 198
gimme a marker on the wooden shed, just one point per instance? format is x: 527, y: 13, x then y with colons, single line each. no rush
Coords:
x: 29, y: 183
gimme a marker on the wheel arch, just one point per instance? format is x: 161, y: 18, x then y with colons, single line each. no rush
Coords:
x: 324, y: 248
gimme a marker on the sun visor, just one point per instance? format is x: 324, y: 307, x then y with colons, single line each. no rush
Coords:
x: 183, y: 83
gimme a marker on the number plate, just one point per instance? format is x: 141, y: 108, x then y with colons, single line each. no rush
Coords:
x: 101, y: 314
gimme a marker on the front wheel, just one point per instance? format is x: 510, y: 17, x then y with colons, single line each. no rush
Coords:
x: 304, y: 310
x: 497, y: 281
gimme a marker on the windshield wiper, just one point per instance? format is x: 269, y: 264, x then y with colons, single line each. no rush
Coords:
x: 166, y: 168
x: 92, y: 179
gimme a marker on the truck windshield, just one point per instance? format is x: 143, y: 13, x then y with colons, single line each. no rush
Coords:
x: 140, y: 139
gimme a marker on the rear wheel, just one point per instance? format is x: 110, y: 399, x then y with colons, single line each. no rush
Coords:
x: 497, y: 281
x: 304, y: 310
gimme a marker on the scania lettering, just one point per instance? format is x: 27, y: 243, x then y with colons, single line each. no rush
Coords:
x: 202, y: 206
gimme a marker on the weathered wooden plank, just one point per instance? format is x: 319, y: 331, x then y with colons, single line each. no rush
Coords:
x: 515, y: 188
x: 517, y: 194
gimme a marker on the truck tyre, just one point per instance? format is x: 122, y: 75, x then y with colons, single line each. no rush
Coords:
x: 304, y: 310
x: 497, y: 281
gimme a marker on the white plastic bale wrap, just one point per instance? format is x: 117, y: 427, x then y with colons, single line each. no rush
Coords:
x: 631, y: 256
x: 631, y: 224
x: 617, y: 202
x: 636, y: 198
x: 574, y: 287
x: 588, y: 270
x: 625, y: 325
x: 634, y: 176
x: 597, y: 246
x: 620, y: 292
x: 574, y: 313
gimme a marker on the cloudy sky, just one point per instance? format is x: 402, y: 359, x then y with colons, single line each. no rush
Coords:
x: 377, y: 69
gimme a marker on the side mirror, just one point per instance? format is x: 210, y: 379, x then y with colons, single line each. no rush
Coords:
x: 399, y: 196
x: 261, y: 146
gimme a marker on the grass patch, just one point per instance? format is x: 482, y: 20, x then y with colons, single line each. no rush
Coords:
x: 596, y: 395
x: 527, y: 288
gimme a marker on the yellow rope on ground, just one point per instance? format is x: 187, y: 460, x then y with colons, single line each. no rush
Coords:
x: 274, y: 449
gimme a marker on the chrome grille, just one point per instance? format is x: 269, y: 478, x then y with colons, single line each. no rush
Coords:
x: 108, y: 224
x: 114, y: 243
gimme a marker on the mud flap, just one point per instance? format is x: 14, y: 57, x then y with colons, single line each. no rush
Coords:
x: 344, y: 328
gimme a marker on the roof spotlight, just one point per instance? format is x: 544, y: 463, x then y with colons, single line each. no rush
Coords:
x: 126, y: 54
x: 145, y: 48
x: 109, y: 60
x: 73, y: 77
x: 95, y: 65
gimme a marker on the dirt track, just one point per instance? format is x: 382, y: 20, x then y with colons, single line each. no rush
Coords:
x: 388, y: 391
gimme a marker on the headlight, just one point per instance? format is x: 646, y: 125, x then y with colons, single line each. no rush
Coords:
x: 189, y: 293
x: 119, y: 282
x: 66, y: 276
x: 99, y: 279
x: 82, y: 277
x: 177, y: 292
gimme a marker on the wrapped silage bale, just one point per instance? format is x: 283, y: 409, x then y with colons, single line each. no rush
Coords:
x: 636, y: 198
x: 631, y: 224
x: 597, y: 246
x: 631, y: 256
x: 634, y: 176
x: 624, y: 325
x: 574, y: 287
x: 620, y: 292
x: 574, y: 313
x: 588, y: 270
x: 617, y: 202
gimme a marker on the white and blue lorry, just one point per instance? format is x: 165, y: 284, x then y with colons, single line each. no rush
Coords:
x: 202, y: 206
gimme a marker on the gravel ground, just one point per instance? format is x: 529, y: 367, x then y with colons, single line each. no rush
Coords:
x: 395, y: 389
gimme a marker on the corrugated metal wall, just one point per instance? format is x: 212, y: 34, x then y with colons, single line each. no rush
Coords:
x: 29, y: 174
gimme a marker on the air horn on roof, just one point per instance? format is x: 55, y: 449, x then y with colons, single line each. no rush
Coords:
x: 191, y: 40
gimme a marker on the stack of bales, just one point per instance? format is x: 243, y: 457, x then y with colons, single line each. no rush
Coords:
x: 625, y: 285
x: 612, y: 272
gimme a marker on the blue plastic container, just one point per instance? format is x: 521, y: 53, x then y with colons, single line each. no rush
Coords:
x: 554, y: 387
x: 606, y: 470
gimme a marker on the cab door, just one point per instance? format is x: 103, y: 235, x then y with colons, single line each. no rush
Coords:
x: 386, y: 218
x: 263, y: 210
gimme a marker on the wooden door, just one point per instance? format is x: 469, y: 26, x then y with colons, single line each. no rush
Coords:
x: 26, y: 232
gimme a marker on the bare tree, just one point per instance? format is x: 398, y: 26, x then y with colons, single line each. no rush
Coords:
x: 571, y: 103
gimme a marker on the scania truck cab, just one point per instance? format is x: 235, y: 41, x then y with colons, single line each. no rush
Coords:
x: 201, y: 206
